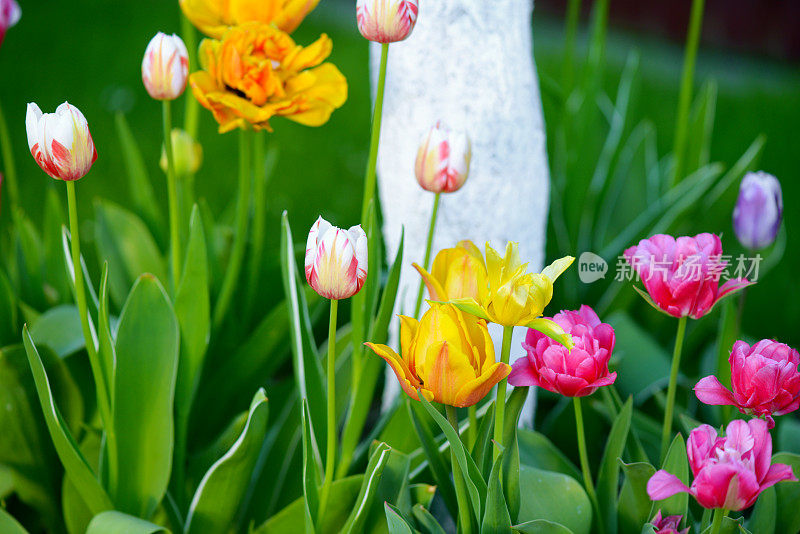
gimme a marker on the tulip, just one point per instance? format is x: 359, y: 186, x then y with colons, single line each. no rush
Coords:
x: 682, y: 275
x: 215, y: 17
x: 457, y: 273
x: 443, y: 158
x: 758, y: 211
x: 336, y: 260
x: 60, y: 142
x: 668, y: 524
x: 573, y: 373
x: 9, y: 16
x: 729, y: 471
x: 187, y: 154
x: 165, y: 67
x: 765, y: 379
x: 448, y: 357
x: 386, y: 21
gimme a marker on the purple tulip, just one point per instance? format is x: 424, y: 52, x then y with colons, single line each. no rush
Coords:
x: 758, y: 211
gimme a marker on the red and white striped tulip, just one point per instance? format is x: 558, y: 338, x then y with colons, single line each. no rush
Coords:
x: 9, y: 16
x: 443, y: 158
x: 386, y: 21
x: 336, y: 260
x: 60, y: 142
x: 165, y: 67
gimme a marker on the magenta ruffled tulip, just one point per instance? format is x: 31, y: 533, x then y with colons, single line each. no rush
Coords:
x: 729, y: 471
x: 668, y: 524
x: 765, y: 380
x: 682, y: 275
x: 573, y: 373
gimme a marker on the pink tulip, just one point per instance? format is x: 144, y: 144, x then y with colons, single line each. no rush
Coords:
x: 765, y: 379
x: 336, y: 260
x: 60, y: 142
x: 573, y: 373
x: 729, y: 471
x: 386, y: 21
x: 9, y: 16
x: 682, y: 275
x: 668, y: 524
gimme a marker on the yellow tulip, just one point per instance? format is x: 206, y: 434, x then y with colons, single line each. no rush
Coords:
x: 214, y: 17
x: 448, y: 357
x: 458, y: 272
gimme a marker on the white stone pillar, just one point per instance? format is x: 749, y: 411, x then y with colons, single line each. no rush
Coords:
x: 470, y: 63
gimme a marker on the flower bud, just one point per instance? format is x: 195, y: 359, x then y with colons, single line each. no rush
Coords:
x: 386, y: 21
x: 60, y: 142
x: 187, y: 154
x: 165, y: 67
x: 758, y: 211
x: 443, y: 158
x: 336, y: 260
x: 9, y: 16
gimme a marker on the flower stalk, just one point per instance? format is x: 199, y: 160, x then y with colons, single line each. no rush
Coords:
x: 330, y: 457
x: 666, y: 431
x: 587, y: 473
x: 428, y: 246
x: 500, y: 405
x: 719, y: 517
x: 369, y: 182
x: 9, y: 167
x: 464, y: 519
x: 172, y: 197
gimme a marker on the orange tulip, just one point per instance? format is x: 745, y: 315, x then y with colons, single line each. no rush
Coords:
x: 214, y: 17
x: 448, y: 357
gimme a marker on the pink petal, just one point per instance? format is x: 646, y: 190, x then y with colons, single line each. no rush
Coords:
x: 523, y: 373
x: 709, y: 390
x: 663, y: 485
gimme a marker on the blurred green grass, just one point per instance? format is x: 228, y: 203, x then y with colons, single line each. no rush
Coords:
x: 89, y: 51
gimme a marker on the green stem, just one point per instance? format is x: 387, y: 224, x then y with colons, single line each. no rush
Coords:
x: 9, y: 167
x: 240, y: 237
x: 666, y: 431
x: 587, y: 473
x: 464, y: 517
x: 98, y: 372
x: 429, y: 244
x: 369, y: 182
x: 573, y: 15
x: 472, y: 430
x: 260, y: 177
x: 192, y: 110
x: 500, y: 405
x: 685, y: 95
x: 172, y: 197
x: 330, y: 457
x: 719, y: 516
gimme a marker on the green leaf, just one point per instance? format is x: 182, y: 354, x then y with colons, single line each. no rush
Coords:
x: 222, y: 489
x: 312, y: 467
x: 30, y: 261
x: 677, y: 464
x: 482, y: 450
x: 541, y: 526
x: 426, y: 520
x: 788, y: 494
x: 9, y: 525
x: 369, y: 486
x: 701, y: 125
x: 554, y: 497
x: 118, y: 523
x: 71, y: 458
x: 393, y: 488
x: 469, y: 305
x: 60, y: 329
x: 8, y: 313
x: 496, y: 519
x: 608, y: 476
x: 552, y: 330
x: 765, y: 513
x: 536, y: 450
x: 57, y: 282
x: 106, y: 351
x: 747, y: 162
x: 363, y: 302
x: 77, y: 515
x: 379, y: 332
x: 307, y: 368
x: 397, y: 523
x: 634, y: 503
x: 511, y: 488
x: 126, y: 243
x: 144, y: 388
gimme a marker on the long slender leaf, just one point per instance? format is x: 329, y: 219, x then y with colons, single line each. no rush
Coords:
x: 312, y: 467
x: 541, y: 526
x: 369, y: 488
x: 496, y: 519
x: 608, y: 476
x: 676, y: 463
x: 511, y: 486
x: 397, y: 523
x: 634, y: 503
x: 426, y: 520
x: 113, y: 522
x: 9, y: 525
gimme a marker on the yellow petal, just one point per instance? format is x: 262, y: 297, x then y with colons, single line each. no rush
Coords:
x: 445, y: 371
x: 435, y: 289
x: 407, y: 381
x: 474, y: 390
x: 555, y: 269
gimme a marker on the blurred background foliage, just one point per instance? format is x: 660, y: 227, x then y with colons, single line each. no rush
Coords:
x: 89, y: 52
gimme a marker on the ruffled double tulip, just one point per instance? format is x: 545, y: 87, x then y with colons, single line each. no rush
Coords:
x: 457, y: 273
x: 447, y: 356
x: 682, y: 275
x: 668, y: 524
x: 336, y: 260
x: 442, y: 164
x: 256, y: 72
x: 60, y: 142
x: 729, y: 471
x: 214, y: 17
x: 765, y: 380
x: 386, y: 21
x: 575, y: 372
x: 759, y: 209
x: 165, y: 67
x: 9, y: 16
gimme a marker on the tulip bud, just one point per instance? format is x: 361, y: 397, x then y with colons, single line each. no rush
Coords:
x: 386, y: 21
x: 336, y: 260
x: 187, y: 154
x: 60, y: 142
x: 9, y: 16
x: 758, y: 211
x: 443, y: 158
x: 165, y: 67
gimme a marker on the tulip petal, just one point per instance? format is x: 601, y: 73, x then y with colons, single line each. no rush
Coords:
x: 709, y: 390
x: 445, y: 368
x: 435, y: 289
x: 777, y: 473
x: 552, y: 330
x: 555, y: 269
x: 474, y: 390
x: 652, y: 303
x: 663, y: 485
x: 470, y: 306
x: 523, y: 373
x: 401, y: 370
